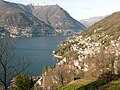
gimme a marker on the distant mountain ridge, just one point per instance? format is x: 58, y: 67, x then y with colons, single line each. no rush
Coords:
x: 89, y: 22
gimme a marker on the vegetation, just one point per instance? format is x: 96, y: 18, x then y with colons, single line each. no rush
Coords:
x: 92, y: 85
x: 114, y: 85
x: 23, y: 82
x: 83, y: 84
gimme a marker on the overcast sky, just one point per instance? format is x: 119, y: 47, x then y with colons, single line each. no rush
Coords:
x: 80, y: 9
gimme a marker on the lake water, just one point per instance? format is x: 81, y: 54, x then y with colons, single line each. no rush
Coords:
x: 37, y: 52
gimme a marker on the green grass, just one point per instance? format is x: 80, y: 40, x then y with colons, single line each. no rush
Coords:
x: 83, y: 84
x: 114, y: 85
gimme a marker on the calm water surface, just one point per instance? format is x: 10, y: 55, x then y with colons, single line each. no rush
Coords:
x: 37, y: 52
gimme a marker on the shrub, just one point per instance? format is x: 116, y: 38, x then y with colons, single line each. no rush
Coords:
x: 108, y: 76
x: 23, y: 82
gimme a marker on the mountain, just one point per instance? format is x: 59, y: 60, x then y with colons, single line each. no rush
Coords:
x: 89, y: 22
x: 57, y: 17
x: 112, y: 22
x: 29, y: 20
x: 18, y: 20
x: 109, y: 26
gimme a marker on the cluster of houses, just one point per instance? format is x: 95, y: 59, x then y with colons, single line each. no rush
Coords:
x: 15, y: 32
x: 87, y: 47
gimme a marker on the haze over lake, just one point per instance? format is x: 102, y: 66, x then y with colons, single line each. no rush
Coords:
x: 37, y: 51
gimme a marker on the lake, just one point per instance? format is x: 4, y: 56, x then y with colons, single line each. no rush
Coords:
x: 37, y: 52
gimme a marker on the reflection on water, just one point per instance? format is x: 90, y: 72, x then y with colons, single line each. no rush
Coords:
x: 37, y: 51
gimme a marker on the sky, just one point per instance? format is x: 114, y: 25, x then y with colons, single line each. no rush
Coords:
x: 80, y: 9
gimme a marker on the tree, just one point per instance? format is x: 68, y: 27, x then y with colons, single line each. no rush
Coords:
x: 61, y: 77
x: 9, y: 66
x: 23, y: 82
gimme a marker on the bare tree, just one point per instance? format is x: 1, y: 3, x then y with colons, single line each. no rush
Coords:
x: 9, y: 66
x: 61, y: 77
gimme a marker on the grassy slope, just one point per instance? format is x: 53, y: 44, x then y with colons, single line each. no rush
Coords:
x: 114, y: 85
x: 83, y: 84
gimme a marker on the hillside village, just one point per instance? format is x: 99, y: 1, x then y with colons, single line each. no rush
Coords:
x: 93, y: 54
